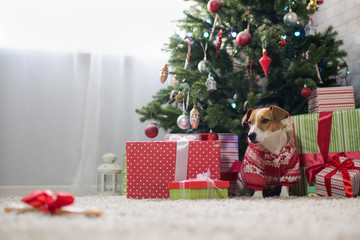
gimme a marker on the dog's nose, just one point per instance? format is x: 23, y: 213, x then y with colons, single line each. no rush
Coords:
x: 252, y: 137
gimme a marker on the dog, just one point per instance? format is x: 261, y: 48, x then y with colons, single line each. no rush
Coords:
x: 271, y: 161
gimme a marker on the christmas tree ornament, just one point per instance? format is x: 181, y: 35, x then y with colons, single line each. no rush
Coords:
x: 179, y: 98
x: 265, y: 62
x: 309, y: 30
x: 204, y: 66
x: 194, y: 117
x: 213, y: 27
x: 290, y: 18
x: 164, y: 73
x: 210, y: 83
x: 151, y: 131
x: 214, y: 6
x: 213, y: 136
x: 311, y: 5
x: 244, y: 106
x: 183, y: 121
x: 243, y: 38
x: 172, y: 94
x: 305, y: 92
x: 218, y: 43
x: 282, y: 42
x: 319, y: 2
x: 187, y: 61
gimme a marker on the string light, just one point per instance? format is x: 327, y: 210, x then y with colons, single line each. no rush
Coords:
x: 297, y: 33
x: 206, y: 34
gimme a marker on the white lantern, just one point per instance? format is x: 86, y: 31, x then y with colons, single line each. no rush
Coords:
x: 310, y: 30
x: 210, y: 83
x: 109, y: 179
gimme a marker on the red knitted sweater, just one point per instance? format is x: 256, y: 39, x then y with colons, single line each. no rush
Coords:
x: 263, y: 170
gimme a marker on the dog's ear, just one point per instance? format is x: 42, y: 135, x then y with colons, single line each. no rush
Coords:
x: 278, y: 113
x: 247, y: 116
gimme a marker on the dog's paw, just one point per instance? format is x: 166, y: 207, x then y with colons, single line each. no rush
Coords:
x: 284, y: 192
x: 258, y: 194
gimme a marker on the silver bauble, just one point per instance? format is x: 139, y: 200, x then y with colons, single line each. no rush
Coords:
x: 183, y: 122
x: 204, y: 66
x: 290, y: 19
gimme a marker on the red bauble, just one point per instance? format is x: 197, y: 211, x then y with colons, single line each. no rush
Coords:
x: 243, y: 38
x: 306, y: 92
x: 151, y: 131
x: 265, y: 62
x: 319, y: 2
x: 214, y: 6
x: 213, y: 136
x: 282, y: 42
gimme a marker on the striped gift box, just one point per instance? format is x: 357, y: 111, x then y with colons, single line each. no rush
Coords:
x: 229, y: 154
x: 331, y: 99
x: 345, y: 132
x: 337, y: 184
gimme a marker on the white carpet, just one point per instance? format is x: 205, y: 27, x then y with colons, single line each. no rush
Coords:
x: 237, y: 218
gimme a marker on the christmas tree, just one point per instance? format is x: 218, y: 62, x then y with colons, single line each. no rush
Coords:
x: 220, y: 69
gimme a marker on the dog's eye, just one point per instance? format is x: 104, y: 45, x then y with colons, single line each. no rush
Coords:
x: 265, y: 121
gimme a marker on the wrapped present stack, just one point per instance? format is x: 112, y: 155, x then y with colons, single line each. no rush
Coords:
x: 152, y: 165
x: 331, y: 99
x: 229, y: 154
x: 328, y: 132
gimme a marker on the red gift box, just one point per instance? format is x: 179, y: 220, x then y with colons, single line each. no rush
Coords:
x: 331, y: 99
x: 152, y: 165
x: 229, y: 154
x: 340, y: 177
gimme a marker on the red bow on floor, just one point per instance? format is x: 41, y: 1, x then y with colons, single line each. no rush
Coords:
x: 45, y: 202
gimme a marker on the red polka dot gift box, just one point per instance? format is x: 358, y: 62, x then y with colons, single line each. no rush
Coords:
x: 152, y: 165
x: 229, y: 154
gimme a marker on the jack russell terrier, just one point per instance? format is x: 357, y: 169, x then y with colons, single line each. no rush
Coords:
x: 271, y: 161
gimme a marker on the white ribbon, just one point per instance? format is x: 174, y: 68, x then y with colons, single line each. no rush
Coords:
x: 182, y: 154
x: 200, y: 177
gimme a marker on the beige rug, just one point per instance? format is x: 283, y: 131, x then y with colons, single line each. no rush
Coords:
x: 237, y: 218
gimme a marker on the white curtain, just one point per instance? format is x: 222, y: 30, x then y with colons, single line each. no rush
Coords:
x: 62, y: 103
x: 60, y: 112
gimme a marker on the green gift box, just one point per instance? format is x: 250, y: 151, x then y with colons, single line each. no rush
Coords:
x: 344, y: 138
x: 193, y: 189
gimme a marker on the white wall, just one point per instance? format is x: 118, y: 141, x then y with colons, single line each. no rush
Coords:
x: 345, y: 17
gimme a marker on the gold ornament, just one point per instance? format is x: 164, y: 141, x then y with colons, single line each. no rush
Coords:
x: 311, y: 5
x: 164, y: 73
x: 194, y: 117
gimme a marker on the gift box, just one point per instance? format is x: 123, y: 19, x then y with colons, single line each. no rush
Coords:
x: 199, y: 189
x: 344, y: 130
x: 337, y: 132
x: 229, y: 154
x: 340, y: 177
x: 331, y: 99
x: 152, y: 165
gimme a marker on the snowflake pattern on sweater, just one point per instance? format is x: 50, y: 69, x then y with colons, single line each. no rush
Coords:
x: 263, y: 170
